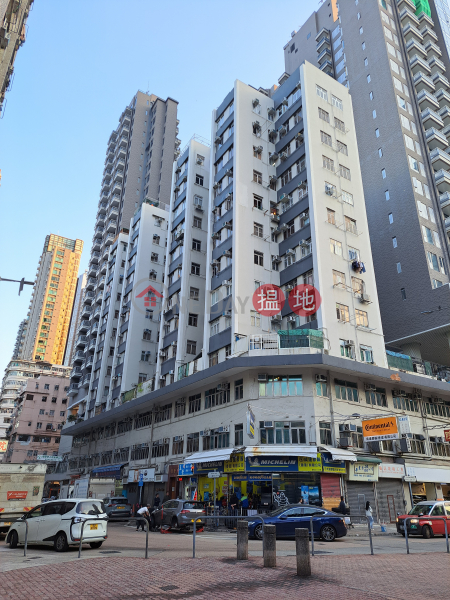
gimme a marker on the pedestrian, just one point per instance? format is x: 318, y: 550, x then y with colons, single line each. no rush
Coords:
x: 142, y: 512
x: 301, y: 501
x: 342, y: 507
x: 369, y: 514
x: 234, y: 501
x: 156, y: 502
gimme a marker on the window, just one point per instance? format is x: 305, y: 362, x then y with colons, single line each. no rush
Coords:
x: 239, y: 434
x: 331, y: 216
x: 347, y: 197
x: 258, y: 258
x: 394, y: 242
x: 350, y: 225
x: 195, y: 269
x: 383, y: 173
x: 325, y: 138
x: 257, y: 152
x: 377, y: 133
x: 341, y: 147
x: 409, y: 142
x: 191, y: 347
x: 399, y: 267
x: 44, y: 399
x: 47, y: 386
x: 257, y: 177
x: 196, y: 245
x: 413, y: 164
x: 38, y: 425
x: 192, y: 442
x: 368, y: 78
x: 42, y: 411
x: 215, y: 397
x: 403, y: 293
x: 322, y: 93
x: 342, y: 313
x: 338, y: 278
x: 324, y: 115
x: 197, y: 223
x: 193, y: 320
x: 145, y: 355
x: 427, y: 234
x: 258, y: 230
x: 325, y: 431
x: 257, y: 202
x: 194, y: 293
x: 199, y: 179
x: 433, y: 261
x: 346, y: 390
x: 214, y: 327
x: 328, y: 163
x: 239, y: 389
x: 255, y: 319
x: 195, y: 403
x: 362, y: 320
x: 366, y: 353
x: 336, y: 247
x: 380, y: 152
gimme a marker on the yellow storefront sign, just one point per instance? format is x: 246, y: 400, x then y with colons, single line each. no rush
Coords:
x: 236, y: 464
x: 310, y: 464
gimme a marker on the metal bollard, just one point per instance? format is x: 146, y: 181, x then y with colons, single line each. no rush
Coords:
x: 242, y: 540
x: 270, y: 545
x: 302, y: 552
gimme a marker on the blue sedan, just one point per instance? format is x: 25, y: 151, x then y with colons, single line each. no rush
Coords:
x: 327, y: 525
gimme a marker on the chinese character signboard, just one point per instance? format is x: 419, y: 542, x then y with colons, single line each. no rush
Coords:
x: 332, y: 466
x: 392, y: 470
x: 360, y: 471
x: 3, y: 445
x: 236, y: 464
x: 384, y: 428
x: 446, y: 435
x: 187, y: 469
x: 205, y: 467
x: 16, y: 495
x: 268, y: 300
x: 404, y: 425
x: 310, y: 464
x: 304, y: 300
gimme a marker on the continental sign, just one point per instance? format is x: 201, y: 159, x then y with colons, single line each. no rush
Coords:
x: 384, y: 428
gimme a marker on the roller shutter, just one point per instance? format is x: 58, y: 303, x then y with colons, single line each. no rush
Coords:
x: 358, y: 493
x: 390, y: 499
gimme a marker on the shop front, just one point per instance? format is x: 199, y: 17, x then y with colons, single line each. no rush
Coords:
x: 360, y: 485
x: 390, y: 492
x: 428, y: 482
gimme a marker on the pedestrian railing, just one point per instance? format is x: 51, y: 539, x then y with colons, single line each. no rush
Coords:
x: 431, y: 519
x: 83, y: 523
x: 4, y: 518
x: 213, y: 518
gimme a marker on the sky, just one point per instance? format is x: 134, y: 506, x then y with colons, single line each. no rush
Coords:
x: 82, y: 63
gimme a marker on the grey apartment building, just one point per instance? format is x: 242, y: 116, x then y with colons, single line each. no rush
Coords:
x: 394, y: 59
x: 138, y: 169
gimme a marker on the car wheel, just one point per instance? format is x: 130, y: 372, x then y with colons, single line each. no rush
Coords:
x: 328, y: 533
x: 152, y: 522
x: 13, y: 539
x: 60, y: 544
x: 259, y: 532
x: 403, y: 534
x: 174, y: 523
x: 427, y: 532
x: 95, y: 544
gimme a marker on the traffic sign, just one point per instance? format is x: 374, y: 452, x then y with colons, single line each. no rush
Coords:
x: 141, y: 480
x: 410, y: 478
x: 214, y: 474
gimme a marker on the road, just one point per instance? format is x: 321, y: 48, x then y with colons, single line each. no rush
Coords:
x: 123, y: 540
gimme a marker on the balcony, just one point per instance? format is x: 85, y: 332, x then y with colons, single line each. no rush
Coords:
x: 440, y: 81
x: 427, y: 100
x: 327, y: 67
x: 432, y: 50
x: 103, y: 268
x: 435, y: 139
x: 108, y: 164
x: 323, y: 43
x: 84, y: 326
x: 424, y: 19
x: 89, y: 361
x: 73, y: 389
x: 413, y: 47
x: 98, y: 309
x: 76, y: 372
x: 123, y: 142
x: 121, y: 152
x: 91, y: 283
x: 113, y: 213
x: 428, y: 35
x: 96, y: 242
x: 115, y: 201
x: 418, y: 64
x: 95, y: 257
x: 101, y: 283
x: 442, y: 179
x: 412, y: 32
x: 81, y: 342
x: 431, y: 119
x: 109, y: 239
x: 105, y: 253
x: 120, y: 164
x: 439, y: 159
x: 444, y: 113
x: 116, y: 188
x: 101, y: 220
x: 78, y: 357
x: 102, y: 208
x: 447, y: 225
x: 99, y: 297
x: 111, y: 226
x: 92, y: 270
x: 86, y: 310
x: 443, y: 97
x: 118, y: 176
x: 423, y: 82
x: 407, y: 17
x: 436, y: 65
x: 89, y: 297
x: 444, y: 200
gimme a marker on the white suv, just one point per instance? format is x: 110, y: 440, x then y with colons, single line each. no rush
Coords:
x: 58, y: 523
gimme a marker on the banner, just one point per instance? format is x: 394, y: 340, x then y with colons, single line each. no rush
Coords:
x: 384, y: 428
x: 272, y: 464
x: 236, y: 464
x: 310, y: 464
x: 250, y: 424
x: 333, y: 466
x: 360, y: 471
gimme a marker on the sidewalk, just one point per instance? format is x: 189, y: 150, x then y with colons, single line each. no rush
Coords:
x: 382, y: 577
x: 360, y: 529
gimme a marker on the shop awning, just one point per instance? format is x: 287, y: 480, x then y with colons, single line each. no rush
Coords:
x: 209, y: 456
x: 108, y: 471
x: 283, y: 450
x: 369, y: 459
x: 339, y: 454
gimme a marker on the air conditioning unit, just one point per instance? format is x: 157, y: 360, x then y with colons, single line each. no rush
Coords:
x: 365, y: 298
x: 255, y: 102
x: 345, y: 442
x: 275, y: 318
x: 433, y: 400
x: 262, y: 377
x: 284, y: 198
x: 374, y: 447
x: 171, y: 372
x: 289, y: 287
x: 177, y: 438
x: 321, y: 378
x: 290, y: 251
x: 440, y: 440
x: 284, y: 101
x: 256, y: 124
x: 199, y: 161
x: 166, y: 440
x: 205, y: 432
x: 292, y: 319
x: 268, y: 424
x: 329, y: 190
x: 276, y: 258
x: 227, y: 282
x: 417, y: 396
x: 283, y: 156
x: 226, y: 428
x: 403, y: 445
x: 349, y: 343
x: 227, y: 253
x: 369, y: 387
x: 173, y: 343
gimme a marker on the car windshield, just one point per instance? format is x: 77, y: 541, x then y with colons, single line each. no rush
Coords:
x: 421, y: 509
x: 118, y: 501
x: 278, y: 511
x: 193, y: 505
x: 94, y: 507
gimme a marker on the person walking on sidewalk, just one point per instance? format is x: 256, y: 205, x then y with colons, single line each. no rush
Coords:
x: 369, y: 514
x: 142, y: 512
x: 342, y: 507
x: 156, y: 502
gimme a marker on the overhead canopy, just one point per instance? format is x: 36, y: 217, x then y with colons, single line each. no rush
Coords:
x: 209, y: 456
x: 369, y: 459
x: 339, y: 454
x: 108, y: 471
x: 282, y: 450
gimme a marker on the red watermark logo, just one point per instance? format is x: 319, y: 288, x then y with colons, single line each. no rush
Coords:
x: 268, y: 299
x: 304, y: 300
x: 149, y: 295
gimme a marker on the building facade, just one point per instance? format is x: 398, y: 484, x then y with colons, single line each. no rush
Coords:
x: 399, y: 48
x: 75, y: 319
x: 134, y: 194
x: 52, y: 300
x: 38, y: 418
x: 18, y: 346
x: 13, y: 19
